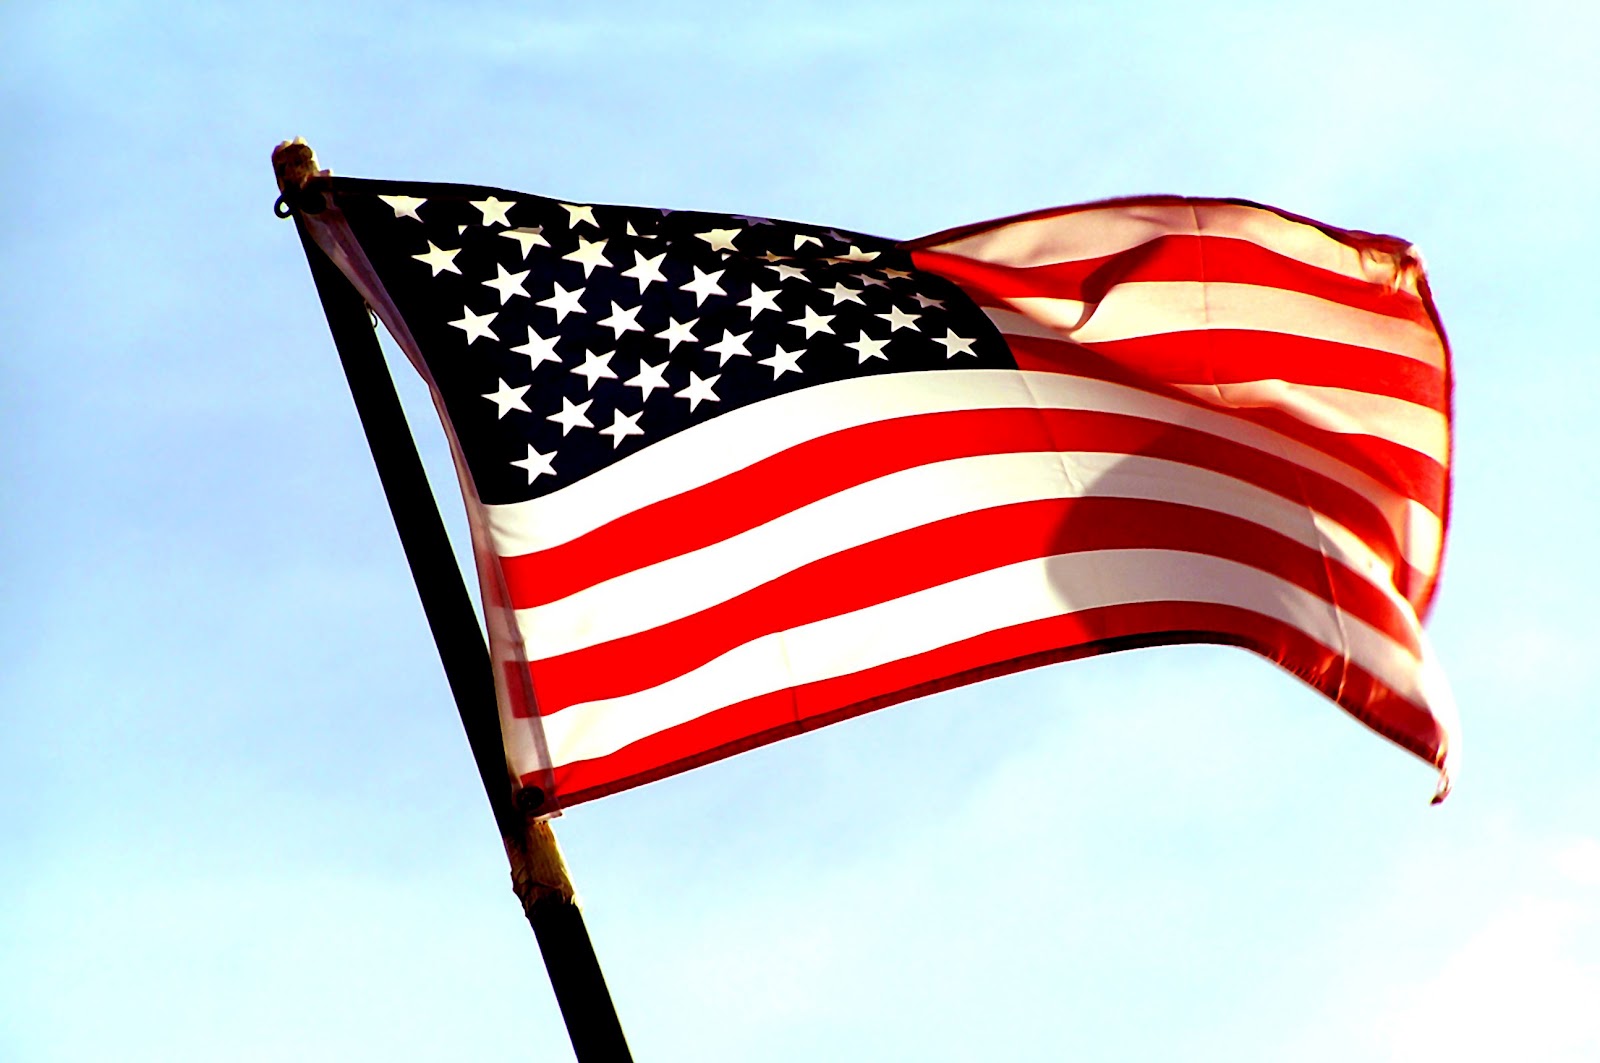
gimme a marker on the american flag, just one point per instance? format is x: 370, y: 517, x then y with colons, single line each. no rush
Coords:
x: 730, y: 479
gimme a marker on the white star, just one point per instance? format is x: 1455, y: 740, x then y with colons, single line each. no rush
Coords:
x: 623, y: 426
x: 646, y: 270
x: 648, y: 378
x: 494, y: 210
x: 404, y: 206
x: 564, y: 302
x: 622, y: 321
x: 867, y: 347
x: 699, y: 390
x: 894, y: 274
x: 802, y: 240
x: 954, y: 345
x: 841, y: 294
x: 438, y: 259
x: 835, y: 234
x: 538, y: 349
x: 926, y: 301
x: 508, y: 398
x: 870, y: 281
x: 783, y: 361
x: 527, y: 238
x: 572, y: 415
x: 579, y: 212
x: 899, y: 319
x: 749, y: 220
x: 814, y: 323
x: 475, y: 325
x: 773, y: 256
x: 729, y: 346
x: 537, y: 464
x: 508, y: 284
x: 590, y: 253
x: 634, y: 232
x: 760, y: 300
x: 704, y: 284
x: 788, y: 273
x: 855, y: 254
x: 720, y: 239
x: 678, y: 332
x: 595, y: 367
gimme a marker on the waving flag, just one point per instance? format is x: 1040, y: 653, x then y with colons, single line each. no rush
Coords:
x: 730, y: 478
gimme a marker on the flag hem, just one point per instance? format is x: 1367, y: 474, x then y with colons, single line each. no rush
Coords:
x: 1438, y: 757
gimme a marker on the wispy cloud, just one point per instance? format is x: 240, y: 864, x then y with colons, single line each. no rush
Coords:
x: 1523, y: 986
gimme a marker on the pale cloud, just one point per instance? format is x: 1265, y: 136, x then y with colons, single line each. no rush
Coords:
x: 1580, y: 862
x: 1480, y: 944
x: 1524, y: 983
x: 1524, y: 986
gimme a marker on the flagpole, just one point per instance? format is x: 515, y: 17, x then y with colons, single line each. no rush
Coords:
x: 538, y: 872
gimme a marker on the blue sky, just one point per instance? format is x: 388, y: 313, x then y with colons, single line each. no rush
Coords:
x: 237, y: 815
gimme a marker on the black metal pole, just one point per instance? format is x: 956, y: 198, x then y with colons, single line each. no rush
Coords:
x: 577, y: 980
x: 569, y: 958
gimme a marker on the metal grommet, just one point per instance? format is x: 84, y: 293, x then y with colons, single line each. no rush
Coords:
x: 282, y: 209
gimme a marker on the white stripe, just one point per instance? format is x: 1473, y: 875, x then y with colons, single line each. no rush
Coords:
x: 1408, y: 424
x: 1012, y: 323
x: 1153, y: 308
x: 681, y: 586
x: 1412, y: 425
x: 1097, y: 232
x: 744, y: 436
x: 943, y: 615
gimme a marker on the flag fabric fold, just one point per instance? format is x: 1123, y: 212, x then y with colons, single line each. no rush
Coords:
x: 730, y: 479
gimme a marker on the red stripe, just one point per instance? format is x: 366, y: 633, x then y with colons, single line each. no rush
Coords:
x: 938, y: 553
x: 1227, y: 356
x: 1401, y: 469
x: 763, y: 491
x: 1219, y: 259
x: 1174, y: 257
x: 764, y: 719
x: 1409, y: 473
x: 822, y: 467
x: 1356, y: 238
